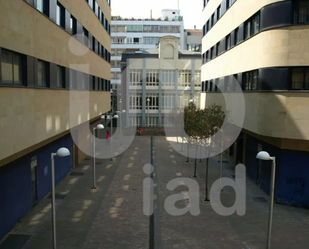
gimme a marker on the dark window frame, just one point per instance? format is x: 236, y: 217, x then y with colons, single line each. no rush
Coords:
x: 63, y: 83
x: 303, y: 69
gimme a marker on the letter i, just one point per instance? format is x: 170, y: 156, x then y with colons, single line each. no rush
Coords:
x: 148, y: 191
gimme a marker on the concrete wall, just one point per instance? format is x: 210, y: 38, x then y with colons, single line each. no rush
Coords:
x: 277, y: 115
x: 26, y: 30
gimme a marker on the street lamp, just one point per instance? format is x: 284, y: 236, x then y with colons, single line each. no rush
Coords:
x: 62, y: 152
x: 99, y: 127
x: 115, y: 117
x: 263, y: 155
x: 148, y: 102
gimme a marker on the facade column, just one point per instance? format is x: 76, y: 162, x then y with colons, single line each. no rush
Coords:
x: 192, y: 79
x: 126, y: 91
x: 160, y: 99
x: 144, y: 94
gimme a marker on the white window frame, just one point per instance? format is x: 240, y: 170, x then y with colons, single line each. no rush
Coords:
x: 197, y: 79
x: 135, y: 101
x: 184, y: 79
x: 168, y: 101
x: 153, y: 121
x: 168, y: 78
x: 135, y: 121
x: 136, y: 77
x: 152, y: 77
x: 153, y: 103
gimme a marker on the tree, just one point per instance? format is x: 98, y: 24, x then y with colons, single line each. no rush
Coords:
x: 201, y: 125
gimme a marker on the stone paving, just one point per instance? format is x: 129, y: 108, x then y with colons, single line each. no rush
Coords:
x: 112, y: 215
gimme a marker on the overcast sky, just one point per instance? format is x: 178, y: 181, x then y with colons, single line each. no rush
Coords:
x: 190, y: 9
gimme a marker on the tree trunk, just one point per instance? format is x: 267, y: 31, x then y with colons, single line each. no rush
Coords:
x: 206, y: 180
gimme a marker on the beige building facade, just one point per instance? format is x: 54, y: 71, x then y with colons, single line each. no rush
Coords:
x: 54, y: 82
x: 263, y: 47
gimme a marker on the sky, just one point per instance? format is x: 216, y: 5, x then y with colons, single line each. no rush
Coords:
x: 191, y: 10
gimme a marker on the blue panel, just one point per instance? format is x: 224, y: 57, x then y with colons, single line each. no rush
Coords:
x: 293, y: 180
x: 62, y: 165
x: 251, y: 161
x: 15, y: 194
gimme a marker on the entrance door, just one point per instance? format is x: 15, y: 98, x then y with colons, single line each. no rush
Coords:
x: 34, y: 180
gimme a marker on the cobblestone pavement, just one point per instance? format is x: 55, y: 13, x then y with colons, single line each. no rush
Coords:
x: 112, y: 215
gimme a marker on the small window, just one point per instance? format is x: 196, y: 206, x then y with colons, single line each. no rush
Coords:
x: 212, y: 54
x: 42, y: 6
x: 12, y: 68
x: 73, y: 25
x: 60, y: 77
x: 174, y: 13
x: 301, y: 11
x: 228, y: 42
x: 212, y: 20
x: 85, y: 32
x: 236, y: 36
x: 217, y: 48
x: 300, y: 79
x: 60, y: 18
x: 43, y: 73
x: 247, y: 29
x: 228, y: 4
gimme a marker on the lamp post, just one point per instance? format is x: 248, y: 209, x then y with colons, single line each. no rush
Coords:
x: 148, y: 102
x: 263, y: 155
x: 120, y: 120
x: 98, y: 127
x: 111, y: 136
x: 112, y: 103
x: 62, y: 152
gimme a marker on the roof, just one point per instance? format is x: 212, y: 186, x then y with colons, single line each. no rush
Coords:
x: 154, y: 53
x: 197, y: 32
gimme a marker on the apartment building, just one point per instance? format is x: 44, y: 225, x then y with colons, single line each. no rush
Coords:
x: 142, y: 34
x: 264, y: 46
x: 193, y: 39
x: 54, y: 55
x: 156, y: 80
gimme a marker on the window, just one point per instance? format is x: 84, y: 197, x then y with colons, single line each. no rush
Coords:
x: 184, y: 78
x: 43, y: 73
x: 228, y: 4
x: 42, y: 6
x: 197, y: 79
x: 247, y: 29
x: 11, y: 67
x: 85, y: 32
x: 136, y: 78
x: 301, y: 11
x: 152, y: 78
x: 250, y: 80
x: 168, y: 78
x: 219, y: 12
x: 60, y: 18
x: 207, y: 56
x: 217, y: 48
x: 255, y: 27
x: 168, y: 101
x: 175, y: 29
x: 135, y: 121
x: 153, y: 103
x: 300, y: 79
x: 73, y: 25
x: 207, y: 26
x: 252, y: 26
x: 228, y: 42
x: 135, y: 101
x: 212, y: 20
x: 236, y: 32
x: 60, y: 77
x: 152, y: 121
x: 134, y: 28
x: 212, y: 53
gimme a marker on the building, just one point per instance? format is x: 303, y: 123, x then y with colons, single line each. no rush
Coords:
x: 193, y: 39
x: 264, y: 45
x: 156, y: 80
x: 53, y: 55
x: 141, y: 34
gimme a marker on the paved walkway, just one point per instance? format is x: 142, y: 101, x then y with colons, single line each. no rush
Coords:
x: 112, y: 216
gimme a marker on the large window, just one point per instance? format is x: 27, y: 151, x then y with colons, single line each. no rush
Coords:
x: 60, y: 18
x: 228, y: 42
x: 151, y: 40
x: 136, y: 77
x: 152, y: 78
x: 250, y: 80
x: 11, y: 68
x: 153, y: 103
x: 252, y: 26
x: 301, y: 11
x: 152, y: 121
x: 168, y: 78
x: 300, y: 79
x: 135, y: 101
x: 43, y: 73
x: 184, y: 78
x: 135, y: 121
x: 197, y: 79
x: 168, y: 101
x: 60, y: 77
x: 134, y: 28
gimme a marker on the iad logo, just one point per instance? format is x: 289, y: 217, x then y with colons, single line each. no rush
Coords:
x: 193, y: 194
